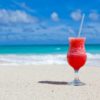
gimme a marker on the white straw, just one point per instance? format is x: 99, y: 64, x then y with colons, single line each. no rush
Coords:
x: 80, y: 29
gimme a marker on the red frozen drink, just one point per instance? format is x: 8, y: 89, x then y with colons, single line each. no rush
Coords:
x: 76, y: 56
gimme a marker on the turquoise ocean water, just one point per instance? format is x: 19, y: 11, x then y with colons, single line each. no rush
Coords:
x: 44, y: 49
x: 45, y: 54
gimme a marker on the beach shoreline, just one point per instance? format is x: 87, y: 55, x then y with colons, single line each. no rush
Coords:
x: 47, y: 82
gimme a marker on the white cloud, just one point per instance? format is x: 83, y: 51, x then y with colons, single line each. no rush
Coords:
x: 92, y: 30
x: 94, y: 15
x: 76, y: 15
x: 70, y: 30
x: 37, y: 31
x: 54, y: 16
x: 17, y: 16
x: 24, y: 6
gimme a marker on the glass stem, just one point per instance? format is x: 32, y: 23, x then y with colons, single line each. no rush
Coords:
x: 76, y: 75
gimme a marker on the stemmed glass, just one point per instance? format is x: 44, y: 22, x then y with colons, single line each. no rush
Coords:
x: 76, y: 57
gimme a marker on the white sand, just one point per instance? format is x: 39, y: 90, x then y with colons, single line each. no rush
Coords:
x: 21, y: 83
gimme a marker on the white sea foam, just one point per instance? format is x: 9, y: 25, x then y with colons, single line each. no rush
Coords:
x: 92, y: 59
x: 93, y: 56
x: 34, y: 59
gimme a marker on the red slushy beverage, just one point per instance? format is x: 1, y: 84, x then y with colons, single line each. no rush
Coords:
x: 76, y: 55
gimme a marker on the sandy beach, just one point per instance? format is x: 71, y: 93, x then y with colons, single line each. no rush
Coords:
x: 47, y: 82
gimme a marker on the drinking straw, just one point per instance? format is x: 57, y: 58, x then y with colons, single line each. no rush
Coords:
x: 80, y: 29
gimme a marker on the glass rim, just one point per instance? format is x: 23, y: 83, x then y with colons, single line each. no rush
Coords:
x: 69, y: 38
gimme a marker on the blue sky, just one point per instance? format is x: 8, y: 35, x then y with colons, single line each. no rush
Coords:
x: 48, y: 21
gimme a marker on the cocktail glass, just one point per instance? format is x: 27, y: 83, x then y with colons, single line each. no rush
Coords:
x: 76, y: 57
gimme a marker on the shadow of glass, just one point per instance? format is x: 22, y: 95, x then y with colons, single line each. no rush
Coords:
x: 54, y: 82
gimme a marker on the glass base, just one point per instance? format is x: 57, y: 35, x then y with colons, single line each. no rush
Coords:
x: 76, y: 82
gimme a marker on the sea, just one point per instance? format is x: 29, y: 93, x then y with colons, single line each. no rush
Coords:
x: 45, y: 54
